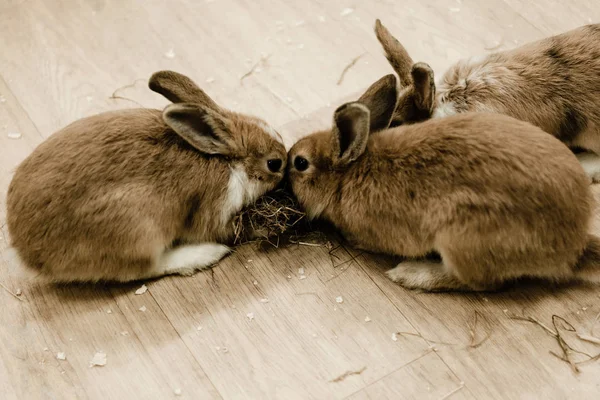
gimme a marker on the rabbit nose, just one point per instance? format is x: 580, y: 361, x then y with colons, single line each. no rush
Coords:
x: 274, y: 165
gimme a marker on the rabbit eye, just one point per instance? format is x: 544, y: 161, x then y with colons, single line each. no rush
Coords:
x: 274, y: 165
x: 300, y: 163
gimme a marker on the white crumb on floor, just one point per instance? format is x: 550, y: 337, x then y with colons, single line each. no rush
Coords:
x: 170, y: 53
x: 346, y: 11
x: 109, y: 311
x: 14, y: 135
x: 177, y: 392
x: 289, y: 277
x: 255, y: 282
x: 250, y: 316
x: 367, y: 319
x: 143, y: 289
x: 199, y: 328
x: 314, y: 335
x: 124, y: 333
x: 300, y: 271
x: 339, y: 299
x: 250, y: 260
x: 2, y: 99
x: 99, y: 360
x: 395, y: 337
x: 302, y: 277
x: 18, y: 292
x: 89, y: 99
x: 142, y: 308
x: 46, y: 349
x: 264, y: 300
x: 61, y: 356
x: 210, y: 79
x: 289, y: 99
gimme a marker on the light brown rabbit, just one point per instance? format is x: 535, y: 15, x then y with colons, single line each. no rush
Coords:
x: 141, y: 193
x: 497, y: 198
x: 553, y: 83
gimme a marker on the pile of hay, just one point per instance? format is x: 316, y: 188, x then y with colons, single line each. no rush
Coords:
x: 275, y: 218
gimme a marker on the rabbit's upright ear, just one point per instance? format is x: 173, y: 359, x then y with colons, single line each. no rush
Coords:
x: 179, y: 88
x: 424, y: 86
x: 206, y: 130
x: 381, y: 99
x: 350, y: 133
x: 396, y: 54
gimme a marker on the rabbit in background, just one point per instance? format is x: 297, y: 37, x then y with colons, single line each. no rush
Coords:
x: 140, y: 193
x: 497, y: 198
x: 553, y: 83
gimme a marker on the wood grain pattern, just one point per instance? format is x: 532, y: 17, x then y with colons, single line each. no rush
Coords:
x: 251, y: 327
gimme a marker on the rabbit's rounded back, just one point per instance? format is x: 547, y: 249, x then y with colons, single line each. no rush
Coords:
x: 400, y: 191
x: 104, y: 197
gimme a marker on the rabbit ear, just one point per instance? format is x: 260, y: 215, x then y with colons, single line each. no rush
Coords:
x: 179, y: 88
x: 350, y: 132
x: 395, y: 53
x: 424, y: 86
x: 206, y: 130
x: 381, y: 99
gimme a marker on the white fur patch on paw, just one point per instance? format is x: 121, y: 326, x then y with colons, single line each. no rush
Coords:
x: 187, y: 259
x: 415, y: 275
x: 591, y: 165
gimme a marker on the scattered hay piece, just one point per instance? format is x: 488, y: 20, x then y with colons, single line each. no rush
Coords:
x: 14, y: 135
x: 143, y: 289
x: 46, y: 349
x: 99, y: 360
x: 256, y: 67
x: 347, y: 374
x: 588, y: 338
x: 264, y: 300
x: 367, y: 319
x: 339, y: 299
x: 61, y: 356
x: 302, y: 277
x: 124, y: 333
x: 250, y: 316
x: 142, y: 308
x: 474, y: 343
x: 16, y: 296
x: 351, y: 64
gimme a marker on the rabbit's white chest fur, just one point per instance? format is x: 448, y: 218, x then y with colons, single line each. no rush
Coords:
x: 241, y: 191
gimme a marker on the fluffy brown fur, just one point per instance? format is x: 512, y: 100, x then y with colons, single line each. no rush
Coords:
x: 496, y: 197
x: 140, y: 193
x: 553, y: 83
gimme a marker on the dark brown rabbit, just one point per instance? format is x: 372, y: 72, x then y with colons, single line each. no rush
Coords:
x: 141, y: 193
x: 497, y: 198
x: 553, y: 83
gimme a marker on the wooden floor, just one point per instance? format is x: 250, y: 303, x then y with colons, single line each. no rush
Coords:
x: 254, y: 327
